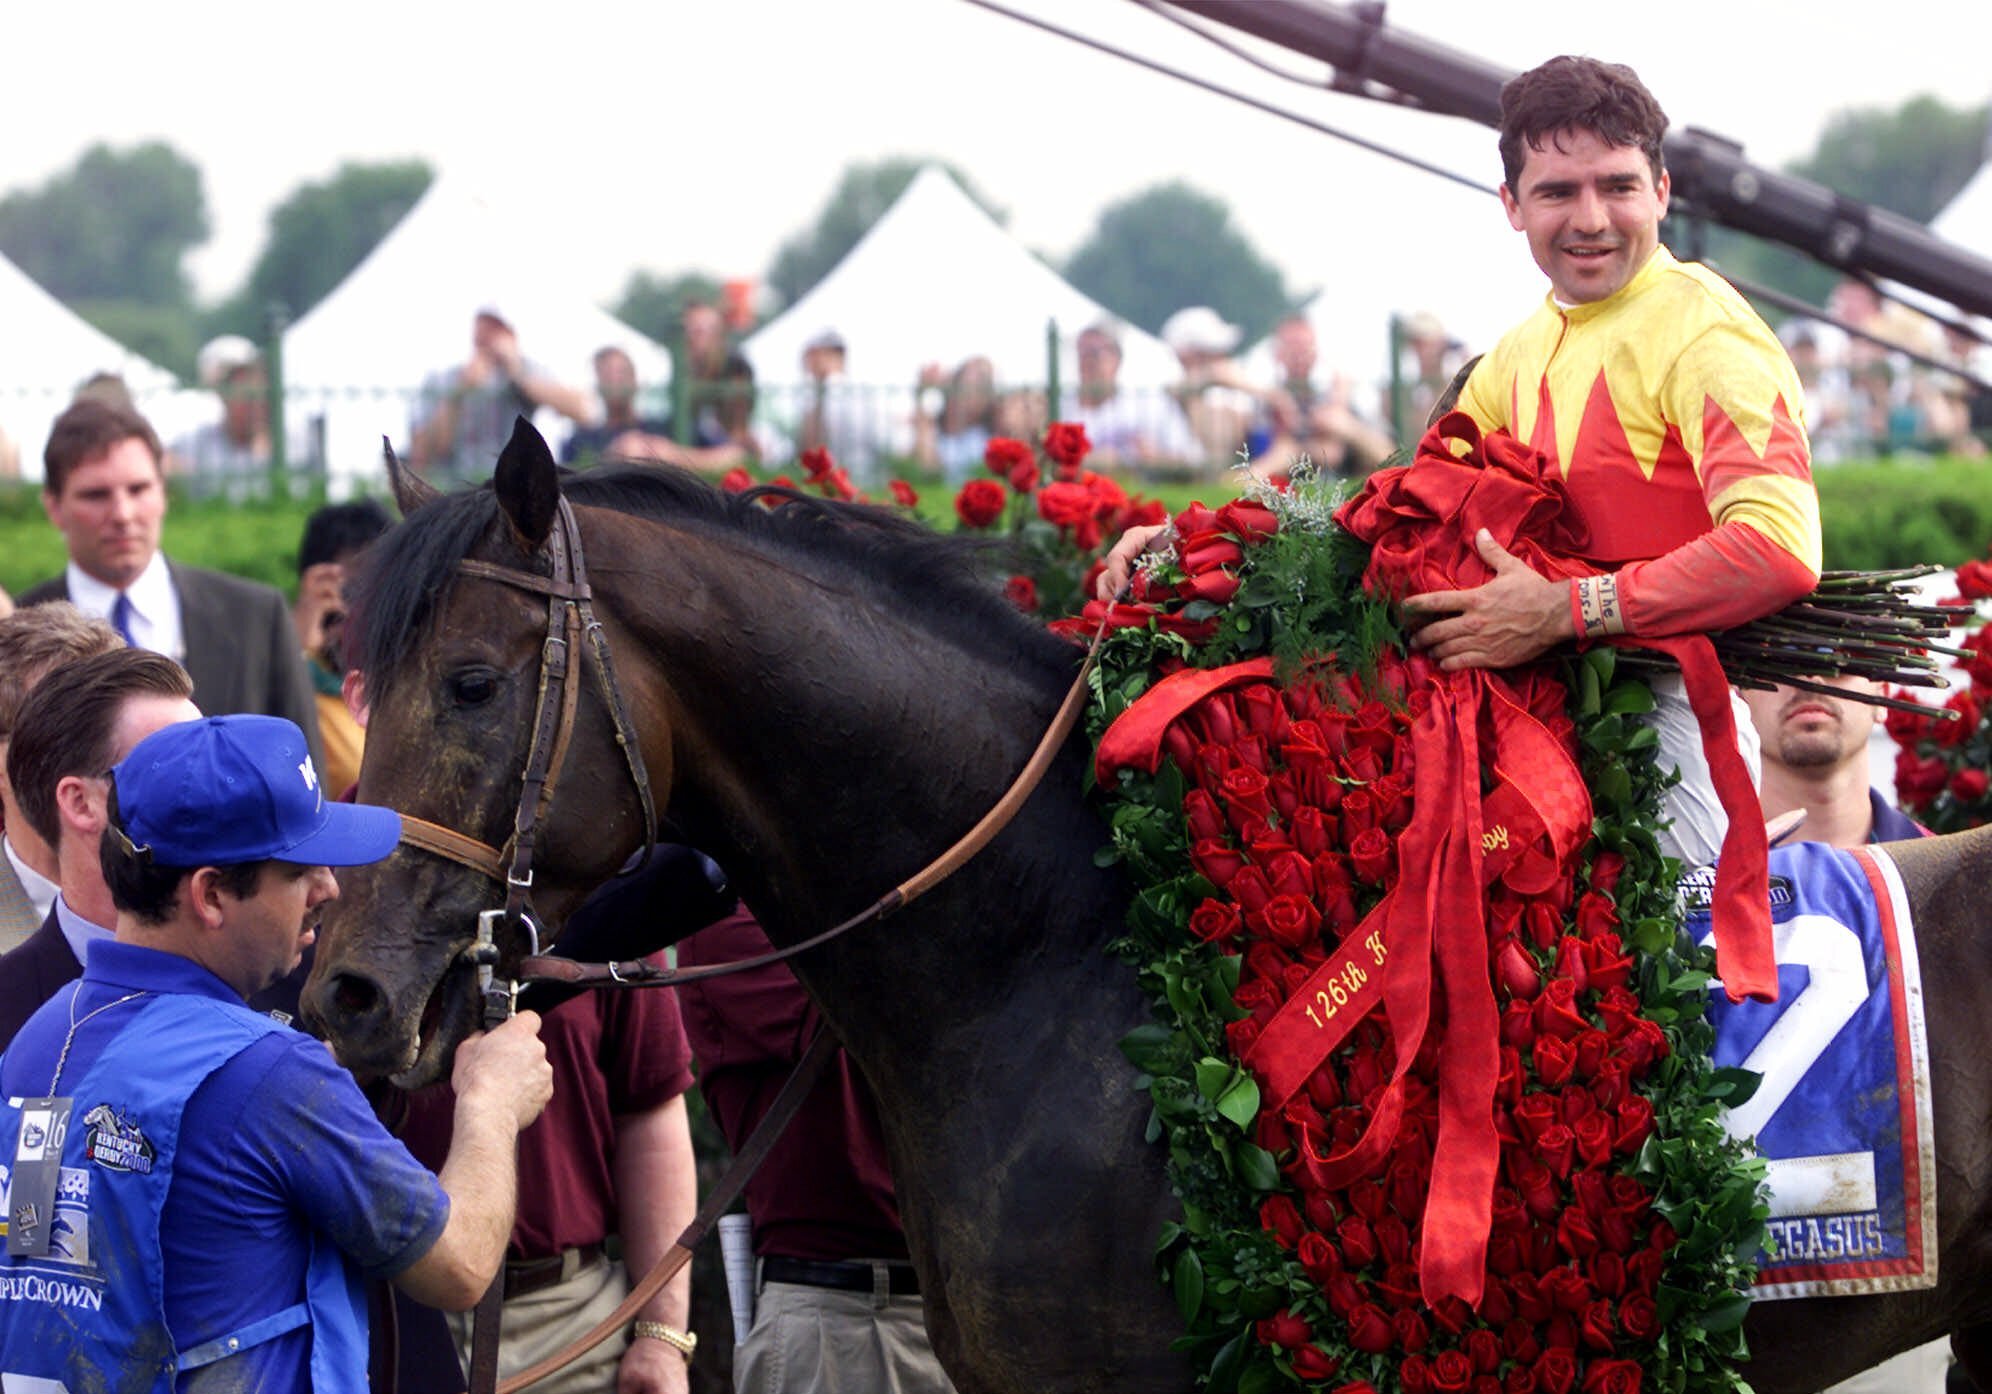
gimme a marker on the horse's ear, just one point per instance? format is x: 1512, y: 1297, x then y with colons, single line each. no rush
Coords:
x: 411, y: 490
x: 528, y: 485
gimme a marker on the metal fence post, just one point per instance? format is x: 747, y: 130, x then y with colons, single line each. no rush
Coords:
x: 278, y: 318
x: 1397, y: 394
x: 1051, y: 345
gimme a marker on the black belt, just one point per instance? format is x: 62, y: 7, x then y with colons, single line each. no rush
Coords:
x: 524, y: 1275
x: 900, y: 1279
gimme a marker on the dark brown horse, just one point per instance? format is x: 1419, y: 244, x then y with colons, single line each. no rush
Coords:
x: 827, y: 698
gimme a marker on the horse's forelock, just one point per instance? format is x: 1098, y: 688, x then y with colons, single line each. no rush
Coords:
x: 406, y: 571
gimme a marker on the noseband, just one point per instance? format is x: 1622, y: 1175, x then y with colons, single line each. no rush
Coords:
x: 569, y: 618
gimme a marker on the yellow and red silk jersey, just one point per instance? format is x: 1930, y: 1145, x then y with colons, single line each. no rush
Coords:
x: 1674, y: 416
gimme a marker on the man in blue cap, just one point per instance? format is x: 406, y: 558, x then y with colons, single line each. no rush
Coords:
x: 192, y: 1192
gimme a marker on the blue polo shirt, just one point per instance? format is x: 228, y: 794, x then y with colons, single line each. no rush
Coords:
x: 276, y: 1144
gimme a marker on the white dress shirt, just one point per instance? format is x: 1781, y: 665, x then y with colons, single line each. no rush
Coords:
x: 155, y: 605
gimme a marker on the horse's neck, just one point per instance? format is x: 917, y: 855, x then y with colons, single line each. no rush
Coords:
x: 827, y: 755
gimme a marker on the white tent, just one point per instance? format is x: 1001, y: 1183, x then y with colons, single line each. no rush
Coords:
x: 936, y: 280
x: 47, y: 351
x: 360, y: 355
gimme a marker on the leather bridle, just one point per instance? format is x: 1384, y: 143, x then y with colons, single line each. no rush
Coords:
x: 570, y: 618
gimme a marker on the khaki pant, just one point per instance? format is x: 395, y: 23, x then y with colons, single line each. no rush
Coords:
x: 540, y: 1323
x: 809, y: 1340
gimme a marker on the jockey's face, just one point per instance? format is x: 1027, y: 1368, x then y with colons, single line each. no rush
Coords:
x: 1810, y: 731
x: 1591, y: 212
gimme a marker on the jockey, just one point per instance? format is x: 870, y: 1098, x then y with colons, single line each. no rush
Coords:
x: 1666, y: 404
x: 196, y: 1189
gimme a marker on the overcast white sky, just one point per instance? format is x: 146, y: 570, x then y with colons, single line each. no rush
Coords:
x: 682, y: 134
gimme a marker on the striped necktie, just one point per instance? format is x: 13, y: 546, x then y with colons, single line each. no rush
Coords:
x: 121, y: 613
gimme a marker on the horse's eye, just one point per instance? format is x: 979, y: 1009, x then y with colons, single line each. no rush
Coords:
x: 472, y: 689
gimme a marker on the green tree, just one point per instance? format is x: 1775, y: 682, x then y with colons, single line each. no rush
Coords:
x: 1911, y: 160
x: 862, y: 196
x: 1171, y: 246
x: 651, y: 303
x: 116, y: 226
x: 320, y: 233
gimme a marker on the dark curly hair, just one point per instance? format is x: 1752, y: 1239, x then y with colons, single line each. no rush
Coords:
x: 1578, y: 94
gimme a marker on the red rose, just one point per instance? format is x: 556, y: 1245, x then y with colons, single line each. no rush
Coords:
x: 1968, y: 786
x: 1354, y: 1386
x: 980, y: 503
x: 1974, y: 580
x: 1613, y: 1377
x: 1483, y: 1348
x: 817, y: 464
x: 1556, y: 1011
x: 1283, y: 1328
x: 1414, y: 1375
x: 904, y: 494
x: 1596, y: 1328
x: 1606, y: 868
x: 1292, y: 920
x: 1606, y: 1269
x: 1311, y: 1362
x: 1639, y: 1318
x: 1520, y: 1379
x: 1243, y: 790
x: 1020, y: 591
x: 1566, y: 1289
x: 1247, y: 520
x: 1412, y: 1332
x: 1545, y: 926
x: 1643, y: 1043
x: 1558, y: 1148
x: 1003, y: 454
x: 1634, y: 1123
x: 1250, y: 890
x: 1570, y: 962
x: 1216, y: 862
x: 1517, y: 1026
x: 1280, y: 1217
x: 1594, y: 1138
x: 1200, y: 812
x: 736, y: 480
x: 1536, y: 1186
x: 1358, y: 1241
x: 1516, y: 971
x: 1556, y: 1372
x: 1554, y: 1060
x: 1452, y: 1372
x: 1065, y: 505
x: 1214, y: 921
x: 1358, y: 812
x: 1318, y: 1257
x: 1313, y: 831
x: 1370, y: 855
x: 1642, y: 1271
x: 1065, y: 442
x: 1596, y: 914
x: 1532, y: 1116
x: 1370, y: 1330
x: 1919, y: 781
x: 1209, y: 553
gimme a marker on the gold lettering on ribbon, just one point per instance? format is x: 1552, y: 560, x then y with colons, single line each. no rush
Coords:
x: 1343, y: 982
x: 1495, y: 838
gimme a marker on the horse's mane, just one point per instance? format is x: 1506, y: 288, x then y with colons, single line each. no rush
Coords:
x: 945, y: 582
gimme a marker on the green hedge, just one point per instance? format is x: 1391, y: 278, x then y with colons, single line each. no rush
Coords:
x: 1879, y: 514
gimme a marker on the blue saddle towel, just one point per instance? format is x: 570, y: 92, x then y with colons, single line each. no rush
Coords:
x: 1843, y: 1113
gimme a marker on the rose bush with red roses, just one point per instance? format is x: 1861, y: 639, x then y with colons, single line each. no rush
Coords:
x: 1941, y: 765
x: 1267, y: 832
x: 1059, y: 515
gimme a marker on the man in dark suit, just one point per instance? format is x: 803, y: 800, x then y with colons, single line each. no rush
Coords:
x: 33, y: 643
x: 78, y: 722
x: 103, y: 489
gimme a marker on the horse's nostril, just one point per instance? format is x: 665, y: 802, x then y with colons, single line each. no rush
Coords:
x: 354, y: 996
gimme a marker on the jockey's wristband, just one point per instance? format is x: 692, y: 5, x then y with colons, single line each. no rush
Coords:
x: 1595, y: 608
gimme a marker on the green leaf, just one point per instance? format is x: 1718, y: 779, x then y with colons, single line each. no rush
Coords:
x: 1188, y: 1282
x: 1257, y: 1169
x: 1585, y: 701
x: 1629, y: 699
x: 1734, y: 1086
x: 1240, y: 1102
x: 1261, y: 1377
x: 1214, y: 1077
x: 1601, y: 661
x: 1725, y: 1315
x: 1150, y: 1048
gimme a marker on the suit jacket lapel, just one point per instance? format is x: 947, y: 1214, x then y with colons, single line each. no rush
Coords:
x: 17, y: 912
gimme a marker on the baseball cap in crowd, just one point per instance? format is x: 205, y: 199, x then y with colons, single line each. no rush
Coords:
x: 1200, y: 329
x: 232, y: 789
x: 824, y: 339
x: 223, y: 355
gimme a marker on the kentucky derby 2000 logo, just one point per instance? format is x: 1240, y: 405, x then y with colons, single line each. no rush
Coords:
x: 111, y: 1140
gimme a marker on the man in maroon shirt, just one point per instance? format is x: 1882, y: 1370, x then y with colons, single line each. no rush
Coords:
x: 838, y: 1306
x: 611, y: 1155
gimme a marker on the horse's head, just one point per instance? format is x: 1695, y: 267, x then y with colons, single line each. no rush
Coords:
x: 454, y: 672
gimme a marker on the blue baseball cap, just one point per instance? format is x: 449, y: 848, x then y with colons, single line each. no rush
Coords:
x: 232, y: 789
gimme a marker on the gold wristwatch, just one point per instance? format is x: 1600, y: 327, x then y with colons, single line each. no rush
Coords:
x: 684, y: 1342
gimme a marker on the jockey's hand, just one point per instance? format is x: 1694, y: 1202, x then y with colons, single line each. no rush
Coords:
x: 1120, y: 561
x: 1501, y: 623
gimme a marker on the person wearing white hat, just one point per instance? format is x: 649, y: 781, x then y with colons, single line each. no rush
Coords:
x: 1215, y: 394
x: 230, y: 456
